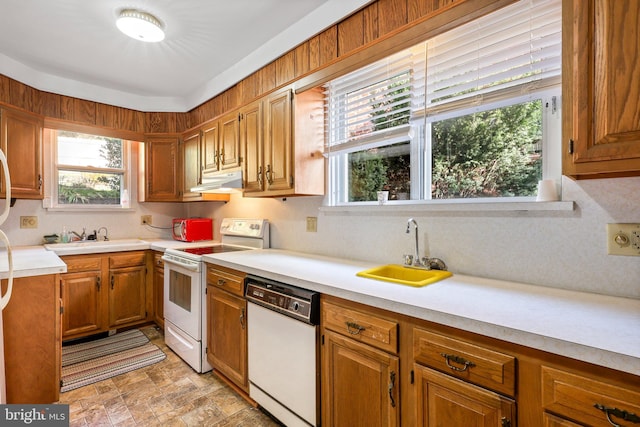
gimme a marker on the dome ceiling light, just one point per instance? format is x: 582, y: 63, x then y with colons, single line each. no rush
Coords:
x: 140, y: 25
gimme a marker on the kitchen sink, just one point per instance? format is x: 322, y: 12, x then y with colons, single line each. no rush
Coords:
x: 395, y: 273
x: 96, y: 246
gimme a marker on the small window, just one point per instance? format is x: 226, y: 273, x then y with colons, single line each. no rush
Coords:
x: 471, y: 113
x: 90, y: 170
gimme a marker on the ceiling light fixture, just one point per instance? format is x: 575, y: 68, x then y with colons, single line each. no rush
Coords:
x: 140, y: 25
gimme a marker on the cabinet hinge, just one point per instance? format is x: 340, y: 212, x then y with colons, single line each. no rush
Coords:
x: 571, y: 146
x: 61, y: 310
x: 322, y: 339
x: 291, y: 180
x: 412, y: 377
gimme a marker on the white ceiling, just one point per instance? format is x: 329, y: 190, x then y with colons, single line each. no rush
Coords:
x: 73, y: 48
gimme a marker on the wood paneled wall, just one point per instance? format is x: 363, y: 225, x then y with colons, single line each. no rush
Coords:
x: 356, y: 32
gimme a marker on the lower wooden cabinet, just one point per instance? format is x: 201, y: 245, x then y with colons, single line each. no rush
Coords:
x: 32, y: 345
x: 446, y: 401
x: 588, y: 401
x: 127, y: 289
x: 82, y: 295
x: 104, y: 291
x: 227, y: 325
x: 359, y: 383
x: 158, y: 289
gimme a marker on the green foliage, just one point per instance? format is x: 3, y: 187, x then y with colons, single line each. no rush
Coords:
x: 112, y: 152
x: 367, y: 175
x: 488, y: 154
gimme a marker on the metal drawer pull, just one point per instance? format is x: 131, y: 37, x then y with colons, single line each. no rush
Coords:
x: 221, y: 282
x: 392, y: 384
x: 459, y: 360
x: 619, y: 413
x: 354, y: 328
x: 242, y: 323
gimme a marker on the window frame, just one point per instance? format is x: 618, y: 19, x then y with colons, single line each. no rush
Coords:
x: 51, y: 198
x: 550, y: 91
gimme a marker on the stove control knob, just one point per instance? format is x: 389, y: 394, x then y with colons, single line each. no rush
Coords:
x: 296, y: 306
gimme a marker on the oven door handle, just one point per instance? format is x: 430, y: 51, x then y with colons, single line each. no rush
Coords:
x: 173, y: 262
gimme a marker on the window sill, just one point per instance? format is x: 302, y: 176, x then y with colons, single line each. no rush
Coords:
x: 467, y: 207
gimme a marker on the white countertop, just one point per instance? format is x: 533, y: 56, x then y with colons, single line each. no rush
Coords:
x: 31, y: 261
x: 594, y: 328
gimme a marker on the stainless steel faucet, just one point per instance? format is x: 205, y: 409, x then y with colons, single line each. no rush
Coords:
x: 106, y: 233
x: 82, y: 237
x: 416, y: 261
x: 421, y: 262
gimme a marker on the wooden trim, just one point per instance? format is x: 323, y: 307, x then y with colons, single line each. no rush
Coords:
x: 430, y: 25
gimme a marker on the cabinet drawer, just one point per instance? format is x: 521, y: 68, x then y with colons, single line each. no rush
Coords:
x: 82, y: 263
x: 127, y: 259
x: 587, y: 401
x: 158, y: 262
x: 227, y: 279
x: 364, y: 327
x: 478, y: 365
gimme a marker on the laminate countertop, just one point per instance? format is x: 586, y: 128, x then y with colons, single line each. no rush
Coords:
x: 31, y: 261
x: 598, y: 329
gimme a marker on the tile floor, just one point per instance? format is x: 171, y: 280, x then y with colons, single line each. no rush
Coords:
x: 168, y: 393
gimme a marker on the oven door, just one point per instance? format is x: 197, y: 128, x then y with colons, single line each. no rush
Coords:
x: 182, y: 297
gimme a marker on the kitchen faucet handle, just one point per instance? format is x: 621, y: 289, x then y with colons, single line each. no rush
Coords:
x: 408, y: 259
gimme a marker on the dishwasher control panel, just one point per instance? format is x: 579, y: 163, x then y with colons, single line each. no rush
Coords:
x: 287, y: 299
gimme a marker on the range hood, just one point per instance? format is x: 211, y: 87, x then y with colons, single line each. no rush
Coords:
x: 220, y: 182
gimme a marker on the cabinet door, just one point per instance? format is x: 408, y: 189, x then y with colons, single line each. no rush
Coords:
x: 191, y: 165
x: 553, y: 421
x: 227, y: 335
x: 251, y: 139
x: 162, y: 169
x: 127, y: 295
x: 229, y: 155
x: 158, y: 289
x: 32, y: 347
x: 600, y: 86
x: 82, y: 303
x: 21, y: 141
x: 360, y: 384
x: 278, y: 149
x: 446, y: 401
x: 209, y: 148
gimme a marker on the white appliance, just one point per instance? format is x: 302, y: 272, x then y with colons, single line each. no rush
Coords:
x: 4, y: 300
x: 185, y: 330
x: 282, y: 329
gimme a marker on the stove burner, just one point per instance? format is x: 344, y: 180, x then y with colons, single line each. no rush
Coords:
x: 217, y: 249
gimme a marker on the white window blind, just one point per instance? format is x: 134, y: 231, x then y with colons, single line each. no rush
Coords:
x: 372, y: 105
x: 512, y: 51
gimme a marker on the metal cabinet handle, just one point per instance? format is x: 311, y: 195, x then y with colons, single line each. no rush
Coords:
x: 618, y: 413
x: 113, y: 280
x: 260, y: 175
x: 268, y: 173
x: 505, y: 422
x: 39, y: 182
x: 354, y: 328
x: 98, y: 283
x: 392, y: 385
x: 457, y: 359
x: 221, y: 282
x: 242, y: 314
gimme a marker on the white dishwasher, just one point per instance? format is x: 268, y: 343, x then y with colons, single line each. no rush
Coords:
x: 282, y: 322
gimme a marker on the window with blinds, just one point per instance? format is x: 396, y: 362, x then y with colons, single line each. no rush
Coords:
x: 473, y: 112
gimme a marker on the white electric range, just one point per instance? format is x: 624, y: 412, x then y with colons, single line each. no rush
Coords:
x: 185, y: 330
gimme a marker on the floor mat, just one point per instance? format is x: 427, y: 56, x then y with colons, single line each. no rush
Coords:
x: 105, y: 358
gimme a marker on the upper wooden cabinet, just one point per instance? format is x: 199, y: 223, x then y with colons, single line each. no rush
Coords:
x: 282, y: 139
x: 229, y: 152
x: 191, y: 165
x: 21, y: 141
x: 160, y: 179
x: 601, y: 71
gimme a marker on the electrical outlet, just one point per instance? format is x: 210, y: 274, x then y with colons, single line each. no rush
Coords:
x: 312, y: 224
x: 28, y: 222
x: 623, y: 239
x: 146, y: 220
